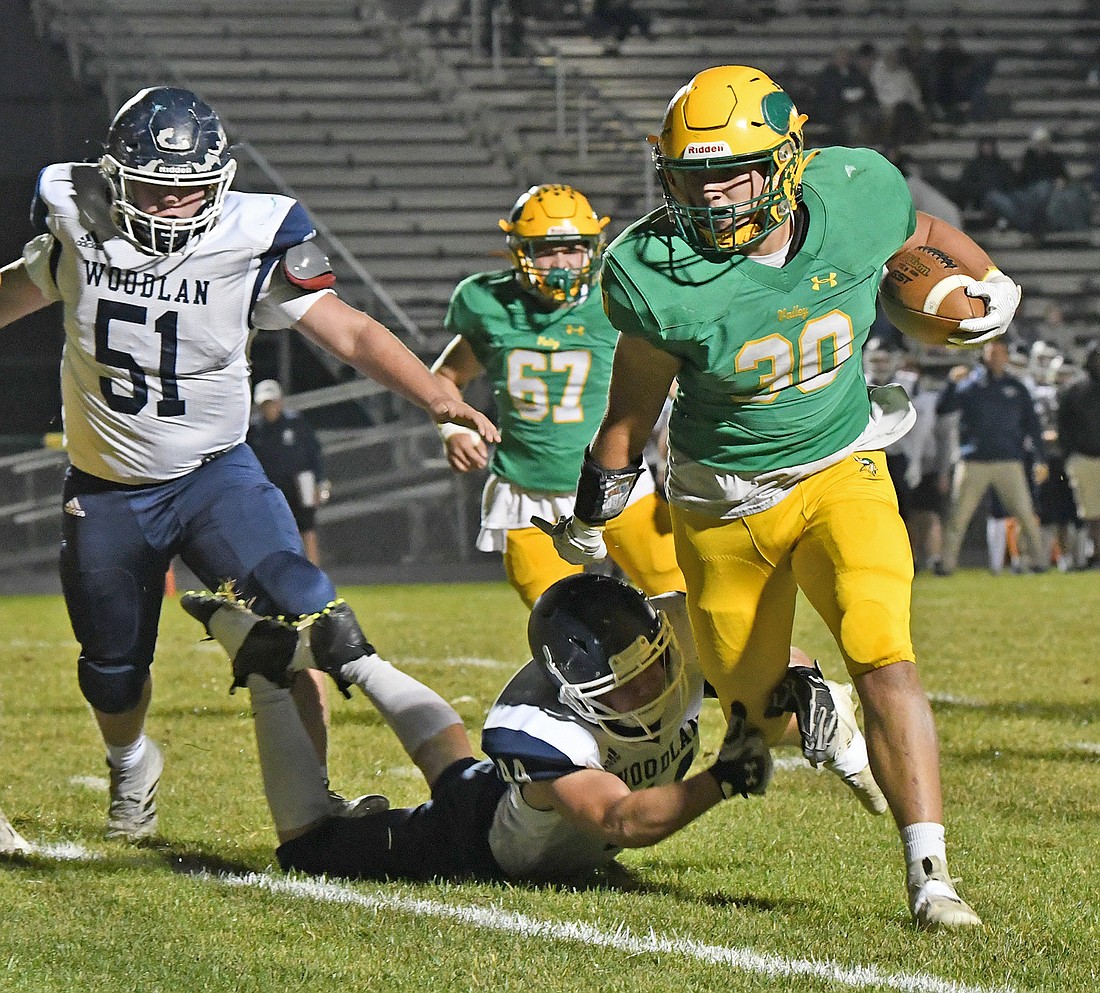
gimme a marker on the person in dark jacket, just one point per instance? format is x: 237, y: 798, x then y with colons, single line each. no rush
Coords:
x: 1079, y: 433
x: 290, y: 454
x: 999, y: 431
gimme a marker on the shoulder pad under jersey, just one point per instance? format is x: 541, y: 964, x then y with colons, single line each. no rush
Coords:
x: 307, y: 267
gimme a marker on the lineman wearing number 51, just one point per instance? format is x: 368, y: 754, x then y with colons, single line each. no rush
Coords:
x: 165, y: 275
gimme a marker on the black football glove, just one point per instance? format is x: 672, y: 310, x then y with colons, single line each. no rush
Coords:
x: 744, y: 763
x: 803, y: 692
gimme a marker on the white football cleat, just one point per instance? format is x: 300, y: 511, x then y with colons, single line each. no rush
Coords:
x: 133, y: 810
x: 848, y: 751
x: 11, y: 841
x: 933, y: 901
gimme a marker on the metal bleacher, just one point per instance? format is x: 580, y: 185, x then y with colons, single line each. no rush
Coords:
x: 406, y: 141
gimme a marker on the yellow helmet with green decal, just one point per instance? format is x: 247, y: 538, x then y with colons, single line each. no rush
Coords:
x: 730, y: 119
x: 551, y: 216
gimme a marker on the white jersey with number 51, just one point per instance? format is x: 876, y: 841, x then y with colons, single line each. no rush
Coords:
x: 154, y: 374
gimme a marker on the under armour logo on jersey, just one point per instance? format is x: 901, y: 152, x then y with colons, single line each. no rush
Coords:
x: 867, y: 464
x: 819, y: 281
x: 574, y: 329
x: 72, y: 506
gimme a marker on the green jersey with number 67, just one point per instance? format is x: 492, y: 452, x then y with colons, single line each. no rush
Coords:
x: 550, y: 370
x: 771, y: 373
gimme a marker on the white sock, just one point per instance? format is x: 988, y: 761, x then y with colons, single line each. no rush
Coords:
x: 853, y: 759
x: 125, y: 757
x: 996, y: 539
x: 296, y: 791
x: 230, y: 627
x: 923, y: 840
x: 413, y: 711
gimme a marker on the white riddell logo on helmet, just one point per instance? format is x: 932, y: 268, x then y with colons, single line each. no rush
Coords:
x: 564, y: 228
x: 707, y: 148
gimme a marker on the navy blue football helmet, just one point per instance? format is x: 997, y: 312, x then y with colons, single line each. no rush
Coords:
x: 594, y: 634
x: 166, y: 136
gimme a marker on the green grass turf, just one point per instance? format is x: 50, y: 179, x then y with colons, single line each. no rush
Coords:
x: 802, y: 874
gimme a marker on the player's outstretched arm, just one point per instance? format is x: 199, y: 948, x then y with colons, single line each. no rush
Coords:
x: 599, y: 803
x: 372, y: 349
x: 456, y: 366
x: 18, y: 295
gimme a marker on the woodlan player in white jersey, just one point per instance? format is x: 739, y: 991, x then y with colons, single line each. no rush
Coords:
x: 589, y: 743
x: 165, y: 274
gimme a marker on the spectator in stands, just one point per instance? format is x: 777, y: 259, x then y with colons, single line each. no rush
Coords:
x: 959, y: 81
x: 844, y: 100
x: 997, y: 425
x: 1050, y: 330
x: 290, y: 454
x: 986, y: 172
x: 926, y: 196
x: 617, y: 19
x: 1045, y: 198
x: 899, y: 97
x: 1078, y: 421
x: 917, y: 58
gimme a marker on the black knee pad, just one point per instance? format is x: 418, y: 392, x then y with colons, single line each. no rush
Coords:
x: 112, y: 688
x: 335, y: 638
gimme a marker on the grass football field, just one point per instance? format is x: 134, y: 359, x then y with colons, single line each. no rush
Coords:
x: 798, y: 890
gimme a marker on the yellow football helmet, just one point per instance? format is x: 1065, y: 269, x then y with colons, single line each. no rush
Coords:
x: 730, y: 118
x: 551, y: 215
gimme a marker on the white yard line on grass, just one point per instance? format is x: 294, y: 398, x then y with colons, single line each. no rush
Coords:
x: 621, y: 939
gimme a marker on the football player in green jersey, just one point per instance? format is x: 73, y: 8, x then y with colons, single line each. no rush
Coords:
x: 754, y: 287
x: 543, y: 339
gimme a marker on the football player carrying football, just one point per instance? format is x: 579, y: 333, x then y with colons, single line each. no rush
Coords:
x: 164, y: 275
x: 754, y: 286
x: 540, y: 334
x: 589, y: 744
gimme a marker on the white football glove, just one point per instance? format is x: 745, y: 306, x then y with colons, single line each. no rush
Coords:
x: 576, y: 542
x: 1002, y: 297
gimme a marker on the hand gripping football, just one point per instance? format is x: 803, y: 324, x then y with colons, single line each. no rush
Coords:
x: 924, y: 295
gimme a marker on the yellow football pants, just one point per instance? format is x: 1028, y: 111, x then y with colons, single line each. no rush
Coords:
x: 837, y: 536
x: 639, y: 541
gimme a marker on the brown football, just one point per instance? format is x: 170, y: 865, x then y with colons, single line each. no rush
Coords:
x: 924, y: 294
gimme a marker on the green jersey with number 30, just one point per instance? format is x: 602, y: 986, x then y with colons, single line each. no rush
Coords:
x: 550, y: 370
x: 771, y: 373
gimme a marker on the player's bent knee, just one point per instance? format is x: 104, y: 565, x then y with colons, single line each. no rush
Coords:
x: 111, y: 688
x: 290, y: 584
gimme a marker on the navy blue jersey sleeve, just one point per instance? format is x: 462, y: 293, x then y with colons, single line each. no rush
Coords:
x: 39, y: 210
x: 521, y: 757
